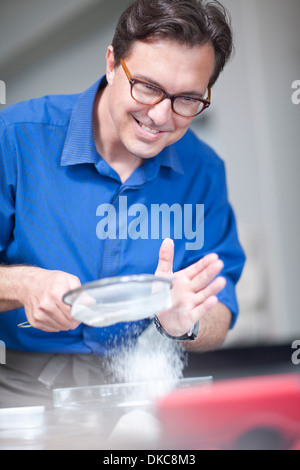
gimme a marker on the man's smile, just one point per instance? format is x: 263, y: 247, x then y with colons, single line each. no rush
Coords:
x: 146, y: 127
x: 150, y: 130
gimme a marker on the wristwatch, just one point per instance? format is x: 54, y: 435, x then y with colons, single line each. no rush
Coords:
x: 191, y: 336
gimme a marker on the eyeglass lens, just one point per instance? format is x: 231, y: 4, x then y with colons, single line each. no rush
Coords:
x: 184, y: 105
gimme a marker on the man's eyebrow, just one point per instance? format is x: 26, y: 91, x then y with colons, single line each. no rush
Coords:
x: 153, y: 82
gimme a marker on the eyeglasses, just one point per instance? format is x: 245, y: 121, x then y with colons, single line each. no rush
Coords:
x: 146, y: 93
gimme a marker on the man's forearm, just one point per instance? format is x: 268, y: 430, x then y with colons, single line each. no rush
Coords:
x: 11, y: 278
x: 213, y: 328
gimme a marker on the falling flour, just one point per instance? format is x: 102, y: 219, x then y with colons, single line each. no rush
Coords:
x: 153, y: 359
x: 153, y: 366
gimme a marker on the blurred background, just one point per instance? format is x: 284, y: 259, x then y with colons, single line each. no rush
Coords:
x: 59, y: 46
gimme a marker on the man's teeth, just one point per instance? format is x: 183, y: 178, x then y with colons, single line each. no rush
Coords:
x: 153, y: 131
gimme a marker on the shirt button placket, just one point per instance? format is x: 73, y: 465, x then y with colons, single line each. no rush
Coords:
x: 112, y: 246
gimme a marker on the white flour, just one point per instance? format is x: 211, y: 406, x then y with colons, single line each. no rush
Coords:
x: 154, y: 359
x: 136, y: 427
x: 155, y: 364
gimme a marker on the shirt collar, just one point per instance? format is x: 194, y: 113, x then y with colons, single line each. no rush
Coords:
x: 170, y: 158
x: 80, y: 144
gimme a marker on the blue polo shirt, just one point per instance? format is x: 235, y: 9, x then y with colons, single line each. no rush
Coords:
x: 61, y: 204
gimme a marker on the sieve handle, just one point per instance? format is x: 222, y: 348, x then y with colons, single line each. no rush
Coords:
x: 26, y: 324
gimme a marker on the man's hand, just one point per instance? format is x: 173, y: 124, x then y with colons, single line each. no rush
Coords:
x: 41, y: 295
x: 193, y: 292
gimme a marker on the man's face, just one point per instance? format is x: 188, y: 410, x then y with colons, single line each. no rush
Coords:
x: 144, y: 130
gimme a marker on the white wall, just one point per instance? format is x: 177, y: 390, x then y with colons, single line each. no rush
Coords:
x: 59, y: 46
x: 256, y: 129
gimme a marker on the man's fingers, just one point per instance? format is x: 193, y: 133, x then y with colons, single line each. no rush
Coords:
x: 211, y: 290
x: 54, y: 320
x: 46, y: 309
x: 166, y: 257
x: 206, y: 276
x: 203, y: 308
x: 194, y: 290
x: 200, y: 265
x: 74, y: 282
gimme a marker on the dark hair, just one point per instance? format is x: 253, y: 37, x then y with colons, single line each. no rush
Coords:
x: 189, y: 22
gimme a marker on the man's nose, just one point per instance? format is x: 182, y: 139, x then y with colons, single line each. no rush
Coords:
x: 161, y: 113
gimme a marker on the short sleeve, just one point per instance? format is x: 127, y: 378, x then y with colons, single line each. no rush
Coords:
x: 8, y: 178
x: 221, y: 237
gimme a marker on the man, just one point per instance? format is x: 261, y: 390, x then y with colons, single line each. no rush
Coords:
x: 127, y: 138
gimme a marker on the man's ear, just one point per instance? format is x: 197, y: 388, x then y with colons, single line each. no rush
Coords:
x: 110, y: 65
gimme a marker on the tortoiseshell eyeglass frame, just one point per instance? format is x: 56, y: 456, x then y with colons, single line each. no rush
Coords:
x: 164, y: 95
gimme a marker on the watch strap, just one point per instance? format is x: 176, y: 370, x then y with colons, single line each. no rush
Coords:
x: 191, y: 336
